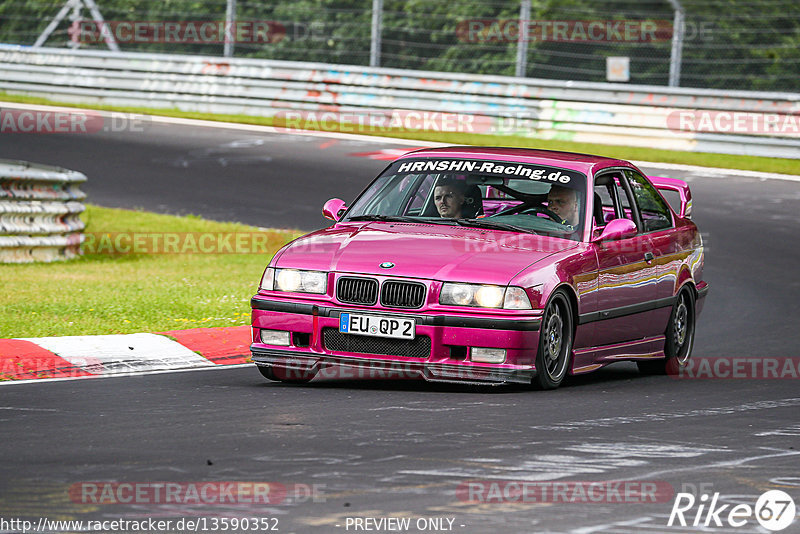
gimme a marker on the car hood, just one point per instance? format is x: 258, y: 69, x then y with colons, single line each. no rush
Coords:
x: 447, y: 253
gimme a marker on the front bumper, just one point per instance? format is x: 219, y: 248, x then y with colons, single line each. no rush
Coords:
x: 451, y: 339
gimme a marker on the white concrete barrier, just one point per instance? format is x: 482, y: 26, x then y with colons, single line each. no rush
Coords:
x: 735, y: 122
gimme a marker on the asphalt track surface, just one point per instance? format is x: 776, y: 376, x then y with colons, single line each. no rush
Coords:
x: 391, y: 448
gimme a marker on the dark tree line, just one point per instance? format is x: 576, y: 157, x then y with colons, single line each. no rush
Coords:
x: 730, y: 44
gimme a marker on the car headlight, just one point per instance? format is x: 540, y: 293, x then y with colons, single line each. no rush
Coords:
x: 294, y: 280
x: 457, y: 294
x: 484, y: 296
x: 489, y: 296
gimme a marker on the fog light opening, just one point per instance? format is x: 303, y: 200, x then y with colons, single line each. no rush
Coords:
x: 301, y: 339
x: 458, y: 353
x: 275, y: 337
x: 484, y: 355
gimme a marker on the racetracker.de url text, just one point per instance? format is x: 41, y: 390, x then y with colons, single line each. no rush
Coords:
x: 142, y: 526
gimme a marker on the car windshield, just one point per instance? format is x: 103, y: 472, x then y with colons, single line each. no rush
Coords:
x: 502, y: 195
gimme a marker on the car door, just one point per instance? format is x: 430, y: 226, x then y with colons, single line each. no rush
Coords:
x: 627, y: 275
x: 669, y: 253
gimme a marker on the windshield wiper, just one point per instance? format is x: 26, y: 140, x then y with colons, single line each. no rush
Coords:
x: 493, y: 225
x: 399, y: 218
x: 386, y: 218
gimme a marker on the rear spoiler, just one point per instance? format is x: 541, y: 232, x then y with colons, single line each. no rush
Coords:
x: 677, y: 186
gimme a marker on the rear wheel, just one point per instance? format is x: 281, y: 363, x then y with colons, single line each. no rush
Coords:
x: 287, y: 376
x: 555, y: 342
x: 679, y: 338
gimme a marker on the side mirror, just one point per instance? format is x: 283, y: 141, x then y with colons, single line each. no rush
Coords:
x: 616, y: 230
x: 333, y: 209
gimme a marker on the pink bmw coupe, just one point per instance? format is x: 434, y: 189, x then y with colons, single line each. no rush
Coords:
x: 490, y: 266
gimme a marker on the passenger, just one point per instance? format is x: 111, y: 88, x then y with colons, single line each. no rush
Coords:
x: 563, y: 201
x: 448, y: 195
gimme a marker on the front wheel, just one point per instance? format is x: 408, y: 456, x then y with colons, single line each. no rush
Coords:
x: 287, y: 376
x: 679, y: 338
x: 555, y: 342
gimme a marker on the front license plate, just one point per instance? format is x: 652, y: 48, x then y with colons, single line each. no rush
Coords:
x: 377, y: 325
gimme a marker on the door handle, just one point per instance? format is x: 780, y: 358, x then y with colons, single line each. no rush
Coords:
x: 648, y: 257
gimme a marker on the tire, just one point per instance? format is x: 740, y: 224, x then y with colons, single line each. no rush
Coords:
x: 287, y: 376
x: 679, y: 338
x: 555, y: 342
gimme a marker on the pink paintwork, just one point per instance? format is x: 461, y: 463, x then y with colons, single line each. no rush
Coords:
x: 678, y: 186
x: 614, y: 290
x: 333, y: 209
x: 617, y: 229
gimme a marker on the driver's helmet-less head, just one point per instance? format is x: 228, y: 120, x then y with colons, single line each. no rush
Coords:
x: 473, y: 205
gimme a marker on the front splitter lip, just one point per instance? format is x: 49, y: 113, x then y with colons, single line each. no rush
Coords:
x: 430, y: 371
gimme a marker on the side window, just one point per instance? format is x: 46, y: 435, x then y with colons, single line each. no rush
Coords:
x: 611, y: 201
x: 654, y: 210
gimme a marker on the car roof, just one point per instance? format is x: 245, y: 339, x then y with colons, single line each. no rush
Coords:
x: 585, y: 163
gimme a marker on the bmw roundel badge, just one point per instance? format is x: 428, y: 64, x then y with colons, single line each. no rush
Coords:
x: 387, y: 265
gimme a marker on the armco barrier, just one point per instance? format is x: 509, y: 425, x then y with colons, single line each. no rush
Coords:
x: 39, y: 212
x: 546, y: 109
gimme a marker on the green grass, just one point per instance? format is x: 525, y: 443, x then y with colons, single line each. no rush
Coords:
x: 729, y: 161
x: 127, y: 293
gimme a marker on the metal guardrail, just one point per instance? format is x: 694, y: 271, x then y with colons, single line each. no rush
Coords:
x: 548, y: 109
x: 39, y: 212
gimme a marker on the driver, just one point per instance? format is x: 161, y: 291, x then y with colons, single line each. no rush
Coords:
x: 448, y: 195
x: 563, y: 201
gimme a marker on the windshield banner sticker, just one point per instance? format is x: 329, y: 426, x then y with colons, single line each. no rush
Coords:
x: 486, y: 167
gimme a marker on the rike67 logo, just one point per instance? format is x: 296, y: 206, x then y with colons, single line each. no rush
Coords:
x: 774, y: 510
